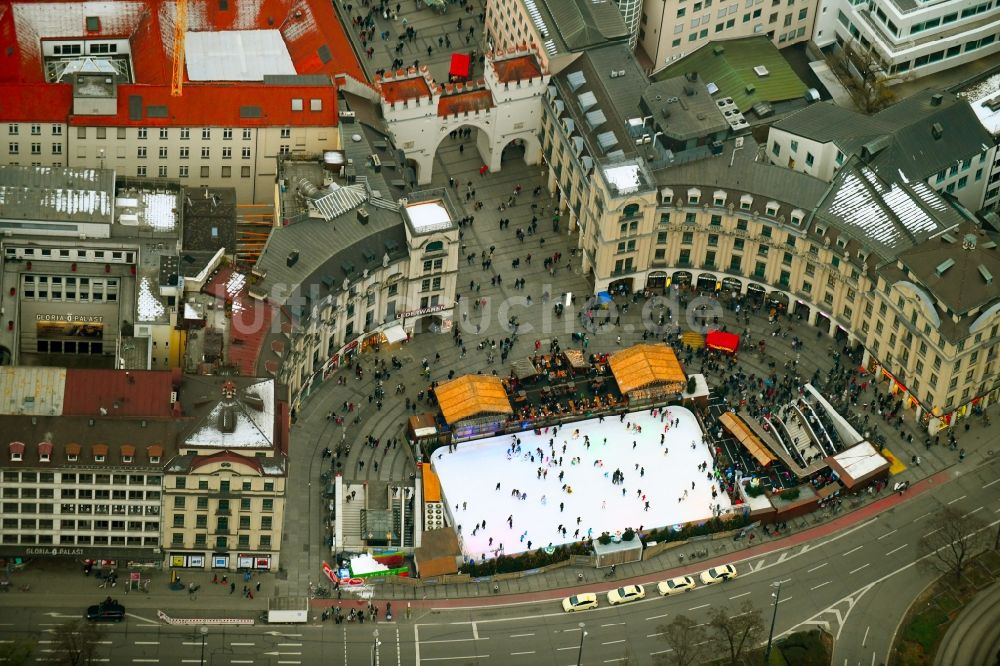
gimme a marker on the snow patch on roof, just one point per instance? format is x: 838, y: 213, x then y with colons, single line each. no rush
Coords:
x: 251, y: 428
x: 160, y: 210
x: 883, y: 213
x: 150, y: 307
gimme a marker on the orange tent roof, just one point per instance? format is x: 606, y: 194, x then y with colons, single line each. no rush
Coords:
x: 644, y: 365
x: 432, y: 485
x: 470, y: 395
x: 735, y: 425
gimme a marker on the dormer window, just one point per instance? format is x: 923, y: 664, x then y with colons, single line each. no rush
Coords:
x: 154, y: 459
x: 719, y: 198
x: 694, y: 195
x: 771, y: 208
x: 666, y: 195
x: 45, y: 452
x: 99, y: 458
x: 746, y: 201
x: 72, y: 452
x: 72, y: 457
x: 44, y: 457
x: 126, y: 459
x: 797, y: 216
x: 16, y: 452
x: 100, y: 453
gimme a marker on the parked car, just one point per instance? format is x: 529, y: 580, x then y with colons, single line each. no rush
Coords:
x: 106, y: 611
x: 623, y: 595
x: 579, y: 602
x: 718, y: 574
x: 676, y: 585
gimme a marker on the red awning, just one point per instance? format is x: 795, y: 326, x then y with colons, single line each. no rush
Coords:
x: 461, y: 65
x: 721, y: 340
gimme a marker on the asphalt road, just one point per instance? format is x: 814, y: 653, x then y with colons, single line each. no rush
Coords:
x: 857, y: 583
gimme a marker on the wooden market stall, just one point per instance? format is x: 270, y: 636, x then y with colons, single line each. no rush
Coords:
x: 473, y: 405
x: 738, y: 429
x: 859, y: 466
x: 648, y: 372
x: 577, y: 360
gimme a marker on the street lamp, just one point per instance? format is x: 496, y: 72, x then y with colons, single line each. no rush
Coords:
x: 579, y: 654
x: 774, y: 616
x: 204, y: 632
x: 375, y: 646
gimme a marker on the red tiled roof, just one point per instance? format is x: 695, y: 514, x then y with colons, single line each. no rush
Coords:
x: 45, y: 448
x: 476, y: 100
x: 402, y: 89
x: 127, y: 450
x: 313, y: 36
x: 154, y: 451
x: 520, y: 68
x: 34, y: 102
x: 73, y: 449
x: 99, y: 449
x: 133, y: 393
x: 249, y: 325
x: 219, y: 105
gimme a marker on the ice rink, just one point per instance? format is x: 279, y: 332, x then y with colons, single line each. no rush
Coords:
x: 469, y: 476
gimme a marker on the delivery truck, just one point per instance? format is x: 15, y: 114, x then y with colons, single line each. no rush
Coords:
x: 287, y: 610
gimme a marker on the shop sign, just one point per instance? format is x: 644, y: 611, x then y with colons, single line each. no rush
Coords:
x: 56, y: 552
x: 71, y: 318
x: 245, y: 561
x: 422, y: 311
x: 181, y: 561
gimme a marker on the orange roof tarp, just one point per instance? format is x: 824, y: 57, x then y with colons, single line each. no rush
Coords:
x: 644, y: 365
x: 470, y: 395
x: 735, y: 425
x: 432, y: 485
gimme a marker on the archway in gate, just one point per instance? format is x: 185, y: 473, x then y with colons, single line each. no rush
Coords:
x: 525, y: 147
x: 465, y: 147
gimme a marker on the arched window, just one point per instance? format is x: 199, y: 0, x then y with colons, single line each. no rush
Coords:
x: 631, y: 209
x: 435, y: 246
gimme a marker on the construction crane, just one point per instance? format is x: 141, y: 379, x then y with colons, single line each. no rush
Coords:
x: 180, y: 29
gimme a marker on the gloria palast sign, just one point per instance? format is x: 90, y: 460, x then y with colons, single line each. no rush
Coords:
x: 71, y: 318
x: 56, y: 552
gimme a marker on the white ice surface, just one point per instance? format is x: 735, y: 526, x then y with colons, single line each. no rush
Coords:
x: 471, y: 472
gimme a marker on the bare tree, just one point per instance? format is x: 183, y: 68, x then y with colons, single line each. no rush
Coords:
x: 738, y: 632
x: 78, y: 642
x: 862, y: 72
x: 686, y: 639
x: 955, y: 539
x: 17, y: 652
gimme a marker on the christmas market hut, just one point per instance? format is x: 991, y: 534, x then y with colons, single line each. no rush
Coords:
x: 473, y: 405
x: 648, y: 372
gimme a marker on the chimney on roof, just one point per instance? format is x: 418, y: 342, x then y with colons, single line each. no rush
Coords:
x: 293, y: 258
x: 692, y: 76
x: 936, y: 99
x: 937, y: 131
x: 363, y: 215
